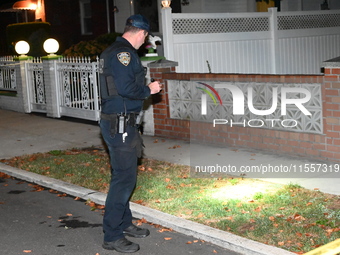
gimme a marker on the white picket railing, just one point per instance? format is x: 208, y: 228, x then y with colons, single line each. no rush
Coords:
x: 7, y: 73
x: 79, y: 91
x: 63, y: 87
x: 268, y: 43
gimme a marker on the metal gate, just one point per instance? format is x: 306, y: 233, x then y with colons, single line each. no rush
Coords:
x: 77, y: 79
x: 36, y: 86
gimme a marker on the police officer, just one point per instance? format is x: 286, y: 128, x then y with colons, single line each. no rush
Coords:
x: 123, y: 90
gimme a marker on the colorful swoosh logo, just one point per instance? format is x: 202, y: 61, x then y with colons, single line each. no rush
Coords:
x: 211, y: 94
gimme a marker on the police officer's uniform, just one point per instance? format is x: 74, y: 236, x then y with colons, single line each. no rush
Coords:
x: 122, y: 81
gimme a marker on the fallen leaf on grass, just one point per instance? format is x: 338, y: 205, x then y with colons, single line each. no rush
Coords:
x: 231, y: 218
x: 140, y: 201
x: 271, y: 218
x: 258, y: 209
x: 200, y: 215
x: 170, y: 186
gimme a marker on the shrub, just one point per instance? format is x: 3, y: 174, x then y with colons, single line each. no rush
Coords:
x: 92, y: 48
x: 35, y: 33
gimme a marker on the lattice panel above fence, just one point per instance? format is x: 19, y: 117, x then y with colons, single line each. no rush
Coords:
x: 219, y: 25
x: 185, y: 99
x: 308, y: 21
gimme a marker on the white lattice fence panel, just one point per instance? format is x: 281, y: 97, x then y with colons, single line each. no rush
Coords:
x: 287, y: 22
x: 219, y: 25
x: 185, y: 103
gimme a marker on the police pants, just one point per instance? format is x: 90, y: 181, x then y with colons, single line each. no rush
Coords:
x: 123, y: 159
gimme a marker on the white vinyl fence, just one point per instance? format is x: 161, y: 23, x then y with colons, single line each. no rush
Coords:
x: 267, y: 43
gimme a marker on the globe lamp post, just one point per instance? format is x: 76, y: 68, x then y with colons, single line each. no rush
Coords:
x: 51, y: 46
x: 22, y: 48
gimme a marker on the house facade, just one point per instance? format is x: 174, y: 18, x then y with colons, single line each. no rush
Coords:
x: 71, y: 21
x: 76, y: 20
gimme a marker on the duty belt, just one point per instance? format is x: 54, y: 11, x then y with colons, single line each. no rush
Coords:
x: 132, y: 119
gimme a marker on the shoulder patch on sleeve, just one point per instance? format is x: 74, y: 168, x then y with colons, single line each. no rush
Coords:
x: 124, y: 58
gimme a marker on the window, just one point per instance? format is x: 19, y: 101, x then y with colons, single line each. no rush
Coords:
x: 85, y: 17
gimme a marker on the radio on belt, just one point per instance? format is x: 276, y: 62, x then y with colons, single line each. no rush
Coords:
x: 121, y: 124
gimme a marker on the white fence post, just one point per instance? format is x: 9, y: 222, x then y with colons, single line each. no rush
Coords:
x: 274, y: 39
x: 21, y: 85
x: 168, y: 39
x: 51, y: 88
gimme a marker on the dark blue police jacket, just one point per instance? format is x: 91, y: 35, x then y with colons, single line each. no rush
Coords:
x: 122, y: 79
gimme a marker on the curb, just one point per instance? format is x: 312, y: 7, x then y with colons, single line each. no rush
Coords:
x: 218, y: 237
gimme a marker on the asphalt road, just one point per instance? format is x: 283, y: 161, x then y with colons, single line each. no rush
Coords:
x: 43, y: 222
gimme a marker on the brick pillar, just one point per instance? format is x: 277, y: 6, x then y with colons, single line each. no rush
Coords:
x: 331, y: 108
x: 160, y: 101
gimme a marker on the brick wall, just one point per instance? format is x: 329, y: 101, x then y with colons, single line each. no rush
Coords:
x: 324, y: 146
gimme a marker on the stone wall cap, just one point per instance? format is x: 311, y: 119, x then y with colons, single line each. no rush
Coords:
x: 163, y: 63
x: 334, y: 62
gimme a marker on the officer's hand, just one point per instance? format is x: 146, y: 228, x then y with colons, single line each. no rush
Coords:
x: 155, y: 87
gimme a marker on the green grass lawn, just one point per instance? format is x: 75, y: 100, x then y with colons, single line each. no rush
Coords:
x: 286, y: 216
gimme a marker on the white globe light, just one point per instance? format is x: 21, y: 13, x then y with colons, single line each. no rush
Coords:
x: 22, y: 47
x: 51, y: 46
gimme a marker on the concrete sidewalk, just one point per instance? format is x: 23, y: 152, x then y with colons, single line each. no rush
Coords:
x: 31, y: 133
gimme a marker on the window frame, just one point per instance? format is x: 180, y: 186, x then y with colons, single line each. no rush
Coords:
x: 86, y: 29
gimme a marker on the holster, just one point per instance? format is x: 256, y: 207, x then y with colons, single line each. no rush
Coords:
x: 118, y: 122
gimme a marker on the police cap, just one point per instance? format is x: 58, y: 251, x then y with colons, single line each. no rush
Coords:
x: 138, y: 21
